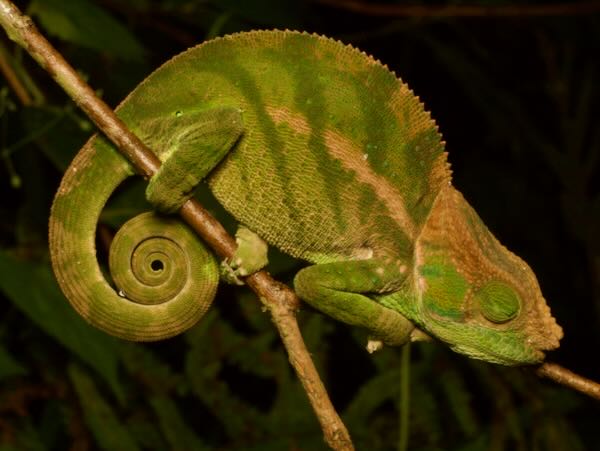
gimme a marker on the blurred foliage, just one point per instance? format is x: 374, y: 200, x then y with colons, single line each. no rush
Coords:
x: 518, y: 102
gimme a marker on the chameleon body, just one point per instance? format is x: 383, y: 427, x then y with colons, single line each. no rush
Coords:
x: 324, y: 153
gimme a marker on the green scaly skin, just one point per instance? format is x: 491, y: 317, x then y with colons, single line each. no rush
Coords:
x: 324, y: 153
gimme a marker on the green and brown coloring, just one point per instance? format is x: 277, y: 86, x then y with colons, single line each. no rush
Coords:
x: 324, y: 153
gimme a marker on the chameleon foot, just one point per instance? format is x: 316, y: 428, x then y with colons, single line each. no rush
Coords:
x: 374, y: 345
x: 250, y: 257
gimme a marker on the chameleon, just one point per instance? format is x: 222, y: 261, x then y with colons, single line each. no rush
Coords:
x: 323, y: 152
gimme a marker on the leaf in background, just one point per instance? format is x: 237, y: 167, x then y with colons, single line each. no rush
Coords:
x: 427, y: 415
x: 211, y: 342
x: 53, y: 420
x: 141, y: 425
x: 108, y: 429
x: 26, y: 437
x: 459, y: 401
x: 83, y: 23
x: 126, y: 202
x: 32, y: 288
x: 31, y: 227
x: 9, y: 366
x: 159, y: 381
x: 178, y: 434
x: 374, y: 392
x: 57, y: 131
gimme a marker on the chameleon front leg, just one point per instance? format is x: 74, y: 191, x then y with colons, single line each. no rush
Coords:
x: 336, y: 289
x: 196, y: 143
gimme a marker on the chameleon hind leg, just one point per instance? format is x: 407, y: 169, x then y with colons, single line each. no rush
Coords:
x: 335, y: 289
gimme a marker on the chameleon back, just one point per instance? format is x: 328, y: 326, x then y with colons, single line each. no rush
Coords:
x: 338, y: 159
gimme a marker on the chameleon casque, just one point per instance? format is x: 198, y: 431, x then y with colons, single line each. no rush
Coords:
x: 324, y: 153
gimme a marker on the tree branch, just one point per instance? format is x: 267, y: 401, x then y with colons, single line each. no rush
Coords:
x: 278, y: 298
x: 569, y: 379
x: 453, y: 10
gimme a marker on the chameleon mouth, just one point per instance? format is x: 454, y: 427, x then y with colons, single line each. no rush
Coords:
x: 546, y: 334
x: 527, y: 355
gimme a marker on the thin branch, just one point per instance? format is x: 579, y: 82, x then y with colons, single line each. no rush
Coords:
x: 569, y: 379
x: 12, y: 79
x: 278, y: 298
x: 454, y: 10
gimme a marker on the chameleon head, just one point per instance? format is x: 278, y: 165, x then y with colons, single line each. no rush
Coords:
x: 475, y: 294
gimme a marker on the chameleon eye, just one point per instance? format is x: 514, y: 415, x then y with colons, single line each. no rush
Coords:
x: 498, y: 302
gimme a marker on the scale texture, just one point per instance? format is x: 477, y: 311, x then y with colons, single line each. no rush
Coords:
x: 332, y: 159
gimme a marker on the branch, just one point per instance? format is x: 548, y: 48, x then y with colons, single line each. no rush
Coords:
x: 12, y: 79
x: 452, y: 10
x: 569, y: 379
x: 278, y: 298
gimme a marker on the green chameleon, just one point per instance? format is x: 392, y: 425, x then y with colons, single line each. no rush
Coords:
x: 322, y: 152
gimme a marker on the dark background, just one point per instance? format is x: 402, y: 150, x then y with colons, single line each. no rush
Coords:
x: 515, y: 91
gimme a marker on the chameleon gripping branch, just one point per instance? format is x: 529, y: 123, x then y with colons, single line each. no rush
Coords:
x: 278, y: 298
x: 425, y: 263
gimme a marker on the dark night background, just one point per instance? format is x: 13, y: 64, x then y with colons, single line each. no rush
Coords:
x: 516, y: 97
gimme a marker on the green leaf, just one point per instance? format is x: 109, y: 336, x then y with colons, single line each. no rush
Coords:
x: 83, y: 23
x: 9, y: 366
x: 203, y: 363
x: 33, y: 289
x: 380, y: 388
x: 59, y: 132
x: 459, y: 402
x: 108, y: 429
x: 126, y: 202
x: 178, y: 433
x: 26, y: 437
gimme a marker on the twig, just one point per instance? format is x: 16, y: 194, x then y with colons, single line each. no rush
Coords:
x: 569, y: 379
x: 278, y: 298
x: 12, y: 79
x: 453, y: 10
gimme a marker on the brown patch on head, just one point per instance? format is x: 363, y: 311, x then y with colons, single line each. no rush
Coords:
x: 352, y: 158
x: 480, y: 258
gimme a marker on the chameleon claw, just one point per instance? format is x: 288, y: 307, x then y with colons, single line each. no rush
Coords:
x: 419, y: 335
x: 249, y: 257
x: 374, y: 345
